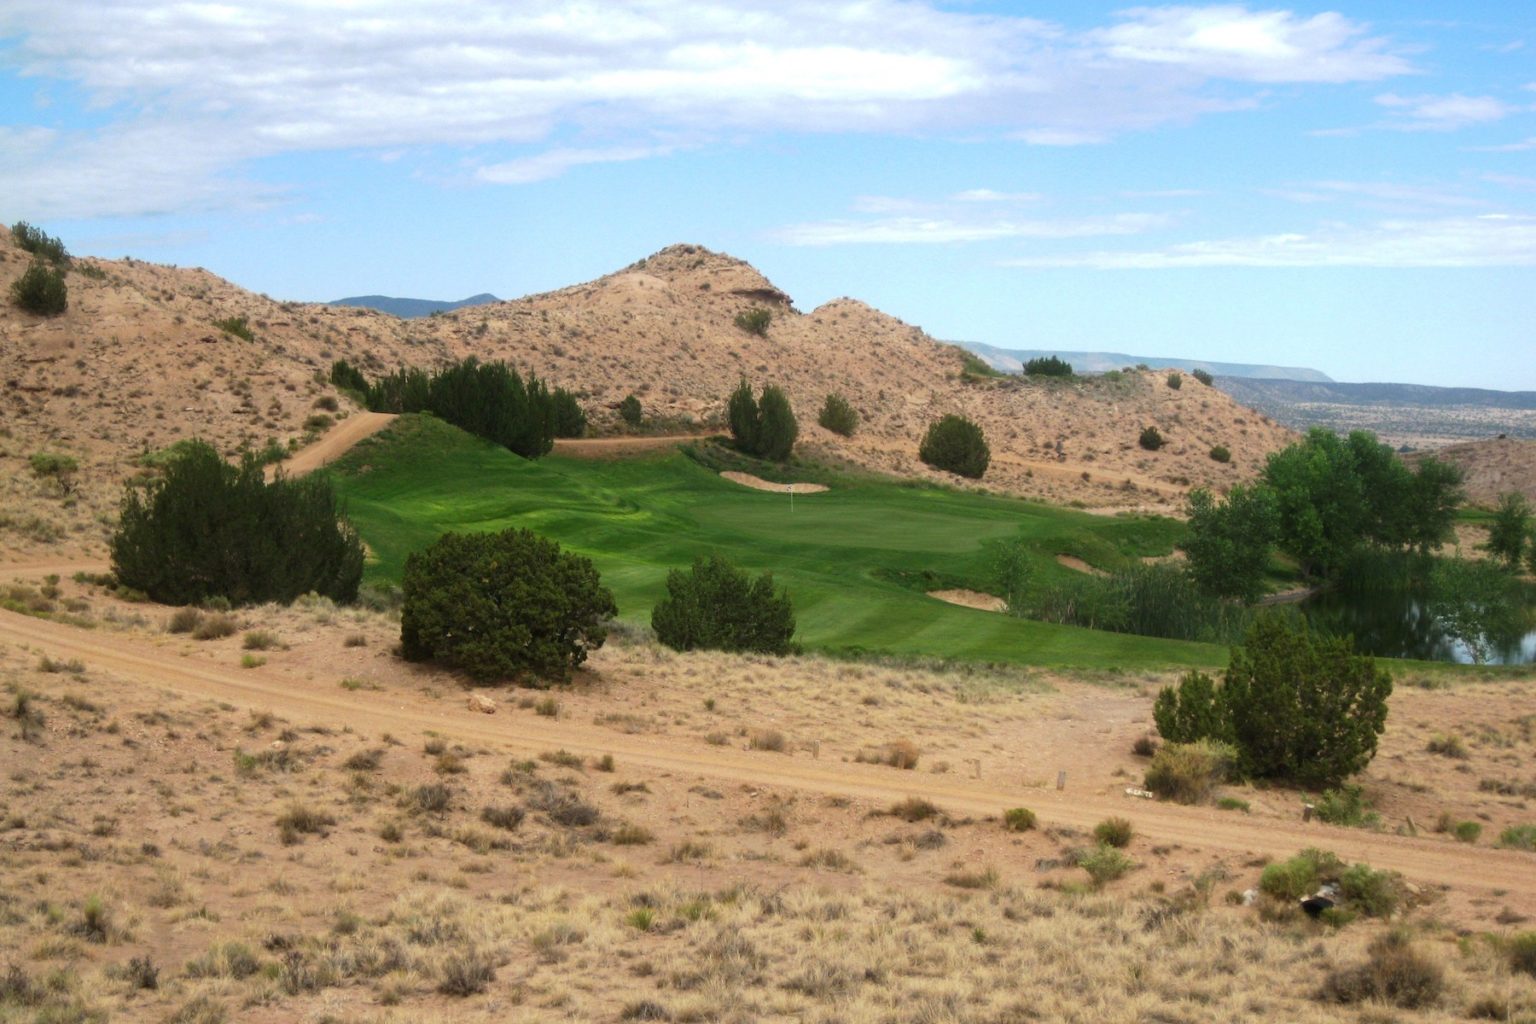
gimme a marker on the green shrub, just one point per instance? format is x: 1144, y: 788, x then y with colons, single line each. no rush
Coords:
x: 1203, y: 376
x: 1105, y: 864
x: 1447, y: 746
x: 39, y: 243
x: 235, y: 326
x: 1467, y: 831
x: 755, y: 321
x: 206, y: 529
x: 48, y: 464
x: 1347, y: 805
x: 41, y: 290
x: 1116, y: 832
x: 1190, y: 711
x: 956, y: 445
x: 1521, y: 952
x: 348, y: 378
x: 1188, y: 773
x: 1372, y: 893
x: 716, y: 606
x: 1018, y: 819
x: 1219, y: 453
x: 1175, y: 380
x: 764, y: 427
x: 490, y: 400
x: 1300, y: 876
x: 838, y: 416
x: 630, y: 411
x: 502, y: 606
x: 570, y: 420
x: 1151, y: 439
x: 1047, y: 366
x: 1393, y: 973
x: 1232, y: 803
x: 1519, y: 837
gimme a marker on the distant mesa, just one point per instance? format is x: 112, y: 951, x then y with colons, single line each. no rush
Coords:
x: 1012, y: 360
x: 410, y: 309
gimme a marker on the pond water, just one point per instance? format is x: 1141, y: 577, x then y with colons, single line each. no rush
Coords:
x: 1396, y: 625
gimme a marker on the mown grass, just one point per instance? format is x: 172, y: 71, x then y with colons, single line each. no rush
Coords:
x: 855, y: 560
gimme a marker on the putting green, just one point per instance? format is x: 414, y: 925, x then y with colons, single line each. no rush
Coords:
x: 855, y: 559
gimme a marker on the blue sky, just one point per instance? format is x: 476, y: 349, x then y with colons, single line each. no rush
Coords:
x: 1350, y: 187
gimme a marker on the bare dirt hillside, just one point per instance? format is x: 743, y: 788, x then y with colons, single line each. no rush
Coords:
x: 140, y: 361
x: 1493, y: 467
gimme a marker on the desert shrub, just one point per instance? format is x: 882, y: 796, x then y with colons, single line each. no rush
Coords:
x: 235, y: 326
x: 1219, y: 453
x: 1104, y: 864
x: 631, y: 835
x: 39, y: 243
x: 260, y: 640
x: 1151, y: 439
x: 955, y: 445
x: 1296, y: 705
x: 1521, y: 953
x: 914, y: 809
x: 716, y: 606
x: 207, y: 529
x: 299, y: 820
x: 838, y: 416
x: 1019, y: 819
x: 1116, y: 832
x: 348, y: 378
x: 432, y: 798
x: 1447, y: 746
x: 1467, y: 831
x: 502, y: 817
x: 1300, y: 876
x: 1188, y: 773
x: 1232, y: 803
x: 1394, y: 972
x: 765, y: 426
x: 754, y: 321
x: 1203, y: 376
x: 215, y: 627
x: 1145, y: 746
x: 51, y: 464
x: 465, y: 973
x: 570, y: 420
x: 318, y: 423
x: 502, y: 606
x: 41, y: 290
x: 1047, y: 366
x: 630, y: 411
x: 141, y: 973
x: 1175, y: 380
x: 1519, y: 837
x: 327, y: 403
x: 766, y: 739
x: 1373, y: 893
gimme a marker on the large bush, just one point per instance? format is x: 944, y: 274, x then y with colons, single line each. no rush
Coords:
x: 40, y: 243
x: 1229, y: 541
x: 570, y: 420
x: 208, y: 529
x: 764, y: 427
x: 41, y: 290
x: 716, y: 606
x: 508, y: 605
x: 956, y: 445
x: 1297, y: 705
x: 630, y: 411
x: 489, y: 400
x: 838, y: 416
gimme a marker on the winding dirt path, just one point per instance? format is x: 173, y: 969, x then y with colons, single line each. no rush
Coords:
x: 161, y: 663
x: 336, y: 443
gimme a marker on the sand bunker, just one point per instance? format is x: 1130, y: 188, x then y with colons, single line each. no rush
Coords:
x: 1078, y: 565
x: 757, y: 483
x: 971, y: 599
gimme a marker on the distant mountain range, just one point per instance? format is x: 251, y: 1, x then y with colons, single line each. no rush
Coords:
x: 1012, y: 360
x: 1260, y: 394
x: 410, y: 309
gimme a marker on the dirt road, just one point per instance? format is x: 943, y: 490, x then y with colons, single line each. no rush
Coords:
x: 336, y: 443
x: 162, y: 664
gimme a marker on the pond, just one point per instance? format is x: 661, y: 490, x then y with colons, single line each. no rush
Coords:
x: 1393, y: 624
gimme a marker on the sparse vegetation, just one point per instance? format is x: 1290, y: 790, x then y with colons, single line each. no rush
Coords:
x: 1116, y: 832
x: 1394, y: 973
x: 1203, y: 376
x: 41, y: 290
x: 1175, y: 380
x: 236, y: 326
x: 754, y: 321
x: 1188, y: 773
x: 1018, y: 819
x: 39, y: 243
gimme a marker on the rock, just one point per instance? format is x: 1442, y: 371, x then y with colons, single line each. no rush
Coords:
x: 1315, y: 905
x: 482, y: 704
x: 1250, y: 896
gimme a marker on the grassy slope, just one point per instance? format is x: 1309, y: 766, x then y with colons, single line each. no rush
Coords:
x: 637, y: 518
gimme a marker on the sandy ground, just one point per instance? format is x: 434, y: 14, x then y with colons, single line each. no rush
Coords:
x: 334, y: 443
x: 970, y: 599
x: 757, y: 483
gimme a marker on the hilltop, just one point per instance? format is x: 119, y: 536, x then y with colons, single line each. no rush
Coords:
x: 140, y: 361
x: 1012, y: 360
x: 409, y: 309
x: 1493, y: 466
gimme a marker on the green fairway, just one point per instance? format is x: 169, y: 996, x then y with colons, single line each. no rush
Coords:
x: 855, y: 560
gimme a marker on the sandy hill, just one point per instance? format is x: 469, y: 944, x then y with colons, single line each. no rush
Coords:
x: 138, y: 362
x: 1493, y: 467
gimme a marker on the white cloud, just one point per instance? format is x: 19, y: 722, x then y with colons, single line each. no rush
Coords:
x: 1443, y: 113
x: 941, y: 230
x: 1523, y: 146
x: 1230, y: 41
x: 987, y: 195
x: 1490, y: 240
x: 1380, y: 194
x: 210, y: 86
x: 555, y: 162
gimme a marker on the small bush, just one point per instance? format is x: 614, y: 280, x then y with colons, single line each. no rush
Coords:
x: 40, y: 290
x: 1393, y: 973
x: 432, y: 798
x: 507, y: 818
x: 766, y: 739
x: 1203, y: 376
x: 235, y: 326
x: 1105, y: 864
x: 630, y: 411
x: 1019, y: 819
x: 1372, y: 893
x: 1447, y: 746
x: 1300, y: 876
x: 956, y: 445
x: 141, y: 973
x: 215, y: 627
x: 1188, y: 773
x: 1175, y: 381
x: 300, y: 820
x: 365, y: 760
x: 838, y: 416
x: 1347, y: 806
x: 754, y: 321
x: 1467, y: 831
x: 259, y: 640
x: 1519, y: 837
x: 1116, y: 832
x: 1151, y: 439
x: 1219, y: 453
x: 716, y: 606
x: 1232, y: 803
x: 50, y: 464
x: 1521, y: 953
x: 915, y: 809
x: 1145, y: 746
x: 631, y: 835
x: 466, y: 974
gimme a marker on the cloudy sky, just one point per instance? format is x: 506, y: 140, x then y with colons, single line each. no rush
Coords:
x: 1349, y: 187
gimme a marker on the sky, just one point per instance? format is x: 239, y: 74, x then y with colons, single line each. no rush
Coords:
x: 1347, y: 187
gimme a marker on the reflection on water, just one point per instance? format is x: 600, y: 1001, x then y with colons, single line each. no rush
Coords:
x: 1396, y: 625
